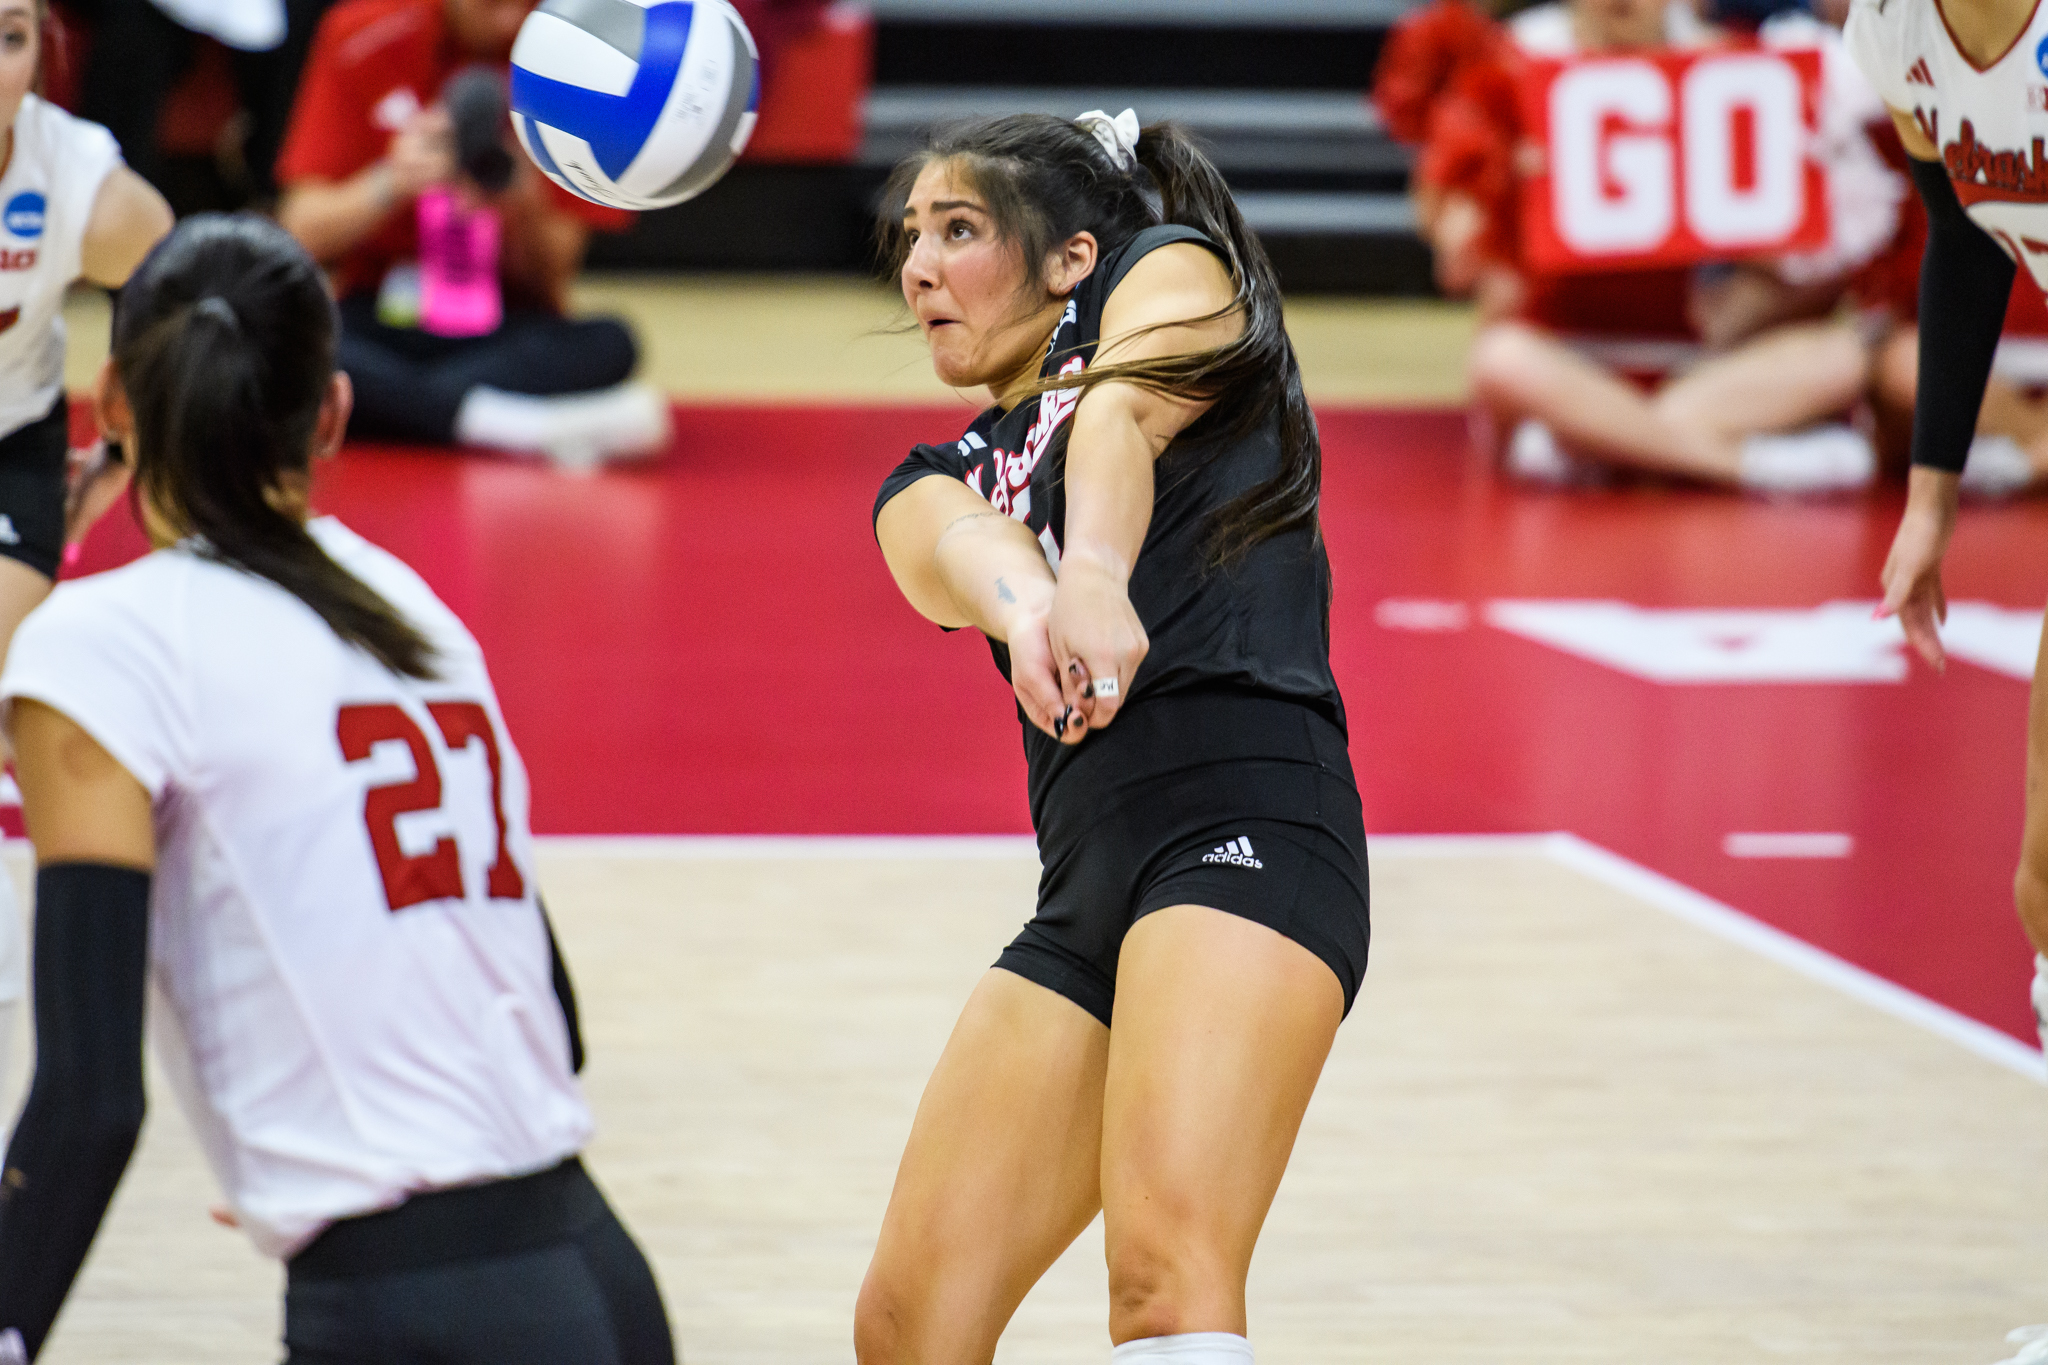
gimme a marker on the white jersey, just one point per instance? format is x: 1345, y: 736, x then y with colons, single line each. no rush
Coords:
x: 352, y: 991
x: 1990, y: 123
x: 46, y: 198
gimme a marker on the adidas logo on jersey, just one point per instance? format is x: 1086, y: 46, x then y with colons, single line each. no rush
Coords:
x: 1918, y: 74
x: 1237, y: 853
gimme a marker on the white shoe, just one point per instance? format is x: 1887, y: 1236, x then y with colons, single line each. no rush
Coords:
x: 1997, y: 468
x: 577, y: 431
x: 1534, y: 457
x: 2033, y: 1344
x: 1823, y: 459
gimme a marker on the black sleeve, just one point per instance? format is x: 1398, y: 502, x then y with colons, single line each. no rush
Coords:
x: 921, y: 462
x: 1965, y: 283
x: 85, y: 1107
x: 565, y: 991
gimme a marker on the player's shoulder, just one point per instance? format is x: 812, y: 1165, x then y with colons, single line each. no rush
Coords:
x: 117, y: 609
x: 394, y: 580
x: 369, y: 33
x: 58, y: 138
x: 1880, y: 28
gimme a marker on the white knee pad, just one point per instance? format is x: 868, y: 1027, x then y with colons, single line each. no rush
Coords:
x: 1188, y: 1348
x: 2040, y: 994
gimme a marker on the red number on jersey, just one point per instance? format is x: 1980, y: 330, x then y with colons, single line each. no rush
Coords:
x: 408, y: 879
x: 412, y: 879
x: 461, y: 722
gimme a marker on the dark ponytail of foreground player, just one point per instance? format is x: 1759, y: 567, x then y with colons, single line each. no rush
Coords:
x: 224, y: 346
x: 1044, y: 180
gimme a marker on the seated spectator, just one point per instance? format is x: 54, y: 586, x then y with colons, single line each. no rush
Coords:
x: 452, y: 258
x: 1727, y: 374
x: 1426, y: 53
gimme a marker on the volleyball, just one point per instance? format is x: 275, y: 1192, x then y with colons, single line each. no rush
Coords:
x: 634, y: 106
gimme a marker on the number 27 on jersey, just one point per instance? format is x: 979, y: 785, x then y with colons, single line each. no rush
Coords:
x: 414, y: 879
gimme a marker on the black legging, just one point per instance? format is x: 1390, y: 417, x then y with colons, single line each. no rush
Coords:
x: 587, y: 1297
x: 410, y: 383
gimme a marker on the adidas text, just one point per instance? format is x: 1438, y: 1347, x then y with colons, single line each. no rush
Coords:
x: 1237, y: 853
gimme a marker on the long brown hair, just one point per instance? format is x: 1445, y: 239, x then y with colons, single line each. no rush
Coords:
x: 1045, y: 179
x: 224, y: 344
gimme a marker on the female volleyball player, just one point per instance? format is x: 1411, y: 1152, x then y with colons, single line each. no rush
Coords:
x: 68, y: 209
x: 264, y: 768
x: 1962, y: 78
x: 1133, y: 526
x: 1964, y: 81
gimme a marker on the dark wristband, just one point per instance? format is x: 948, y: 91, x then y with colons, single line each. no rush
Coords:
x: 86, y: 1104
x: 1965, y: 284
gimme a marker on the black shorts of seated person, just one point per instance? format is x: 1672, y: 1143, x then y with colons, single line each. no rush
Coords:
x: 410, y: 383
x: 1241, y: 803
x: 32, y: 460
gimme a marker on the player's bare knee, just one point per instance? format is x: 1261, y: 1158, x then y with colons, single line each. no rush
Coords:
x: 2030, y: 891
x: 879, y: 1318
x: 1158, y: 1277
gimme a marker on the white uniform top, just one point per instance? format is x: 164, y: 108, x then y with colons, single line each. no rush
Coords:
x: 1863, y: 193
x: 1990, y: 124
x: 46, y: 197
x: 352, y: 995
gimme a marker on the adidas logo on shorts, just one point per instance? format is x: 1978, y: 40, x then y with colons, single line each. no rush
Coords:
x: 1238, y: 853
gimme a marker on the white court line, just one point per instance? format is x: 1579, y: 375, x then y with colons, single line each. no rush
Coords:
x: 1725, y: 922
x: 1569, y: 850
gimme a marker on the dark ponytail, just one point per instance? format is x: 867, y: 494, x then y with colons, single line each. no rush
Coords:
x: 224, y: 344
x: 1046, y: 179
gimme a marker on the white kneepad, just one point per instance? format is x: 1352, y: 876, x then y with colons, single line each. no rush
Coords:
x: 2040, y: 995
x: 1188, y: 1348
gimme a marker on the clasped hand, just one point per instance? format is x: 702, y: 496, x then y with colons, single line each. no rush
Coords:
x: 1072, y: 666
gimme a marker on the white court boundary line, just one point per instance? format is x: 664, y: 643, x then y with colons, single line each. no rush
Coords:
x: 1589, y: 859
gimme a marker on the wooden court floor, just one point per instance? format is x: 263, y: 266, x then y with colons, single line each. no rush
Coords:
x: 1561, y: 1126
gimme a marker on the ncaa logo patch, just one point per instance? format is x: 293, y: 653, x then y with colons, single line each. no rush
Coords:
x: 23, y: 215
x: 2041, y: 56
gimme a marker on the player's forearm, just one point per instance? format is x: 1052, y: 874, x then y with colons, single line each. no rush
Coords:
x: 1109, y: 483
x: 331, y: 218
x: 994, y: 572
x: 86, y: 1104
x: 1965, y: 283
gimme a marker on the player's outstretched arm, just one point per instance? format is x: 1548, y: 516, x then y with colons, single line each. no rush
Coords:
x: 95, y: 849
x: 1176, y: 301
x: 960, y: 562
x: 1965, y: 281
x: 128, y: 218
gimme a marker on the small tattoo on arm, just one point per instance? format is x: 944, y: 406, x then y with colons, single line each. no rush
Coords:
x: 1003, y: 592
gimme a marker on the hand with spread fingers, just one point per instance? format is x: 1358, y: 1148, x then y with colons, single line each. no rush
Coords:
x: 1912, y: 571
x: 1098, y: 643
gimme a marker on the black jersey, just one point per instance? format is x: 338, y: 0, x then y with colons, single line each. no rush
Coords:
x: 1258, y: 626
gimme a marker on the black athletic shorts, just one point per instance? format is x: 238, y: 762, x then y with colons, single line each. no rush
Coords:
x: 32, y: 469
x: 532, y: 1271
x: 1241, y: 803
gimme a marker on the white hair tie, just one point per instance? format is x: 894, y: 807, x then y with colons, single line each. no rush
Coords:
x: 1118, y: 136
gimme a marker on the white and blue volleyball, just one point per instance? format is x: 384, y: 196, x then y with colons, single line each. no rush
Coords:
x: 630, y: 105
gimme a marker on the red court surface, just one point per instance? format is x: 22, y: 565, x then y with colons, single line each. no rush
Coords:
x: 711, y: 644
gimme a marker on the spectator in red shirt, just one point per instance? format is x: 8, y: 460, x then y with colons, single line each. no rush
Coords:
x: 1726, y: 374
x: 441, y: 347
